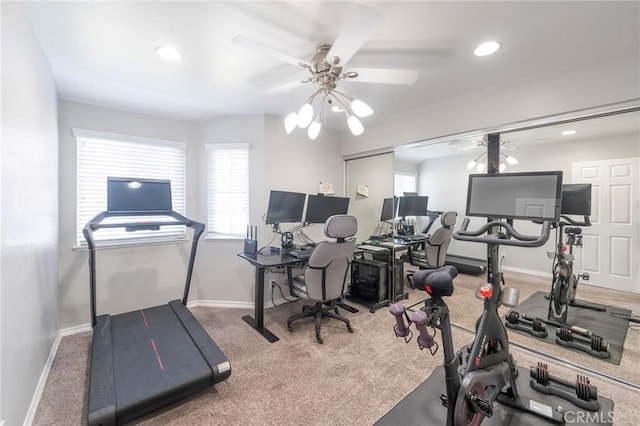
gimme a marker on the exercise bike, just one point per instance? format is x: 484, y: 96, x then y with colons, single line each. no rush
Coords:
x: 484, y: 372
x: 563, y: 295
x: 565, y: 281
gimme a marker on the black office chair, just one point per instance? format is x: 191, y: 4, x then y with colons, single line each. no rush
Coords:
x: 435, y: 251
x: 324, y: 279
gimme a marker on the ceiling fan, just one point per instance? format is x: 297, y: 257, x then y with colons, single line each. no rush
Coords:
x: 327, y: 68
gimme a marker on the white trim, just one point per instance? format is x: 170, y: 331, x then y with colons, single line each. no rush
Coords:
x: 527, y: 271
x: 35, y: 401
x: 237, y: 145
x: 95, y: 134
x: 75, y: 330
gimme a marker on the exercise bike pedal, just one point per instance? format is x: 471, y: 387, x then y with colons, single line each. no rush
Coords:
x: 481, y: 405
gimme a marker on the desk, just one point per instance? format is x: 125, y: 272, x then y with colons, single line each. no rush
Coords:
x: 261, y: 262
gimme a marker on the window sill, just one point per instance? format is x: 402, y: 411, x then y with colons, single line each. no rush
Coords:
x: 128, y: 244
x: 223, y: 238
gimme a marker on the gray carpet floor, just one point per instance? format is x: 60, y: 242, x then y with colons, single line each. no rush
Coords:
x: 351, y: 379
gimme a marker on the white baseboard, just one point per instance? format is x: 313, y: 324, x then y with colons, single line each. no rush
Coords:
x: 31, y: 413
x: 527, y: 271
x: 219, y: 304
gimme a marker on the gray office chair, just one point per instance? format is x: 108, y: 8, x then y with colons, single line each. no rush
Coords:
x: 324, y: 279
x: 434, y: 253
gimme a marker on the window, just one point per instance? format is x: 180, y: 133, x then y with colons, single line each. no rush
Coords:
x: 404, y: 183
x: 227, y: 190
x: 100, y: 155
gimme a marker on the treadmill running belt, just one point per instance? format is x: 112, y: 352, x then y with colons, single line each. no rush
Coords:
x: 154, y: 359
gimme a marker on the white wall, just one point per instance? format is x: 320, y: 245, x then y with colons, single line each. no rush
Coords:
x: 29, y: 236
x: 277, y: 161
x: 127, y: 278
x: 376, y: 172
x: 445, y: 181
x: 587, y: 84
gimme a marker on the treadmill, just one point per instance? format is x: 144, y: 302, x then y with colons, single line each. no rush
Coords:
x: 146, y: 359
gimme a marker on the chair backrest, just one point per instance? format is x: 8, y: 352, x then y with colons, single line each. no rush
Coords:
x: 436, y: 251
x: 331, y: 259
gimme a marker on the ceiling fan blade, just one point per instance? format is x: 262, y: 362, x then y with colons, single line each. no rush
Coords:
x: 285, y: 87
x: 257, y: 46
x: 359, y: 27
x: 385, y: 75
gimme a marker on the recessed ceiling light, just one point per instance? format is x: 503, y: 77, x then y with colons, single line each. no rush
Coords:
x: 487, y: 48
x: 568, y: 132
x: 168, y: 53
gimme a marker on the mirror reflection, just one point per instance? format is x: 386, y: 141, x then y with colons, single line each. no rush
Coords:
x: 602, y: 152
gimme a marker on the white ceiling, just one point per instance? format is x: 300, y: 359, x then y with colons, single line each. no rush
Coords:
x: 102, y: 53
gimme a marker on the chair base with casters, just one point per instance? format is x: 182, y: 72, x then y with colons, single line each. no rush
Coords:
x: 324, y: 280
x: 318, y: 311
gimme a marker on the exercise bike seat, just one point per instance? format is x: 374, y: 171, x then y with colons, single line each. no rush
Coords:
x: 436, y: 282
x: 573, y: 230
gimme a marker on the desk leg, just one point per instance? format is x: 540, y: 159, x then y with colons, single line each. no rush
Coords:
x: 257, y: 322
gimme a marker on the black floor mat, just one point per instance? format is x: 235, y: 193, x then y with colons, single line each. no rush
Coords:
x: 608, y: 324
x: 423, y: 407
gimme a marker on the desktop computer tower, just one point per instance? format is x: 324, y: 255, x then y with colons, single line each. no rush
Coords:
x: 369, y: 280
x: 398, y: 271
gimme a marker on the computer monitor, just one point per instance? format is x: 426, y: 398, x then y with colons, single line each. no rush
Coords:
x: 576, y: 199
x: 389, y: 209
x: 413, y: 205
x: 285, y: 206
x: 528, y: 196
x: 321, y: 207
x: 133, y: 195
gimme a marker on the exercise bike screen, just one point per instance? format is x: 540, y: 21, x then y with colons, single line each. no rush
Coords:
x: 528, y: 196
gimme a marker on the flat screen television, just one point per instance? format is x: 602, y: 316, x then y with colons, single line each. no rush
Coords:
x: 527, y: 196
x: 321, y: 207
x: 389, y: 209
x: 133, y: 195
x: 285, y: 207
x: 412, y: 205
x: 576, y: 199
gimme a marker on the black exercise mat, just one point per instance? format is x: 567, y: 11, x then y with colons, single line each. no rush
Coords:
x: 603, y: 323
x: 423, y: 407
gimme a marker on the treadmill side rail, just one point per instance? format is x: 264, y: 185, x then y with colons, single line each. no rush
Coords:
x: 102, y: 390
x: 217, y: 360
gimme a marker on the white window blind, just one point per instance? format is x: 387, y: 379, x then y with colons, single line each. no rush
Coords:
x: 227, y: 189
x: 404, y: 183
x: 101, y: 155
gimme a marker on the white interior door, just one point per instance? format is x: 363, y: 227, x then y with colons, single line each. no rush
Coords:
x: 612, y: 244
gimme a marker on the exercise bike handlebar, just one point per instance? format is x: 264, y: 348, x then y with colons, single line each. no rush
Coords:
x: 570, y: 221
x: 514, y: 238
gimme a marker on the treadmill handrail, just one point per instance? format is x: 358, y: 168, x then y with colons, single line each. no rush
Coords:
x: 96, y: 223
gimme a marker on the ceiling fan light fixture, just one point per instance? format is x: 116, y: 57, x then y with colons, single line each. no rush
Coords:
x: 305, y: 115
x: 568, y: 132
x: 290, y: 122
x: 360, y: 108
x: 511, y: 160
x: 337, y: 108
x: 502, y: 167
x: 471, y: 164
x: 355, y: 125
x: 480, y: 167
x: 487, y: 48
x: 168, y: 53
x: 314, y: 130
